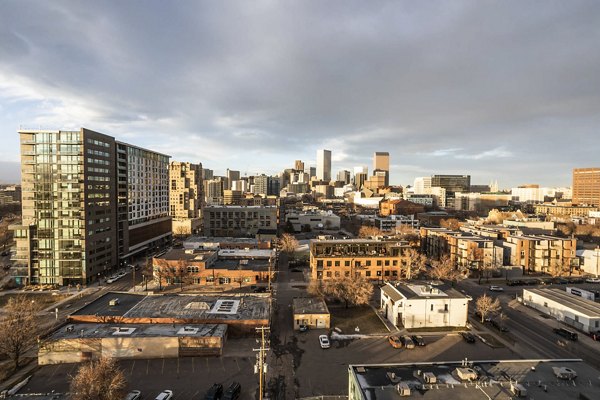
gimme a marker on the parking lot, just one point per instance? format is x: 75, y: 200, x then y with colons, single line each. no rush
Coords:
x: 188, y: 377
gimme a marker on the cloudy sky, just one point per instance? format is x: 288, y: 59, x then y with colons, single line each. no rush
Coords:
x: 503, y: 90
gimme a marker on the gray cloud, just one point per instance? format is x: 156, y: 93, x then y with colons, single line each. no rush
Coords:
x: 503, y: 90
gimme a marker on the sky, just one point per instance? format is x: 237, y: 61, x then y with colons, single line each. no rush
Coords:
x: 500, y: 90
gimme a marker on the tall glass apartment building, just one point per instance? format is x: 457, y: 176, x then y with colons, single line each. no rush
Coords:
x: 70, y: 184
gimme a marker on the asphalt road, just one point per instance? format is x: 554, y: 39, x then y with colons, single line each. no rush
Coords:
x: 529, y: 332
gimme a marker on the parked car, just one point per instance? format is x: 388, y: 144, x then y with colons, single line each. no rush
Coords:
x: 593, y: 280
x: 395, y: 342
x: 515, y: 282
x: 495, y: 288
x: 560, y: 281
x: 303, y: 328
x: 112, y: 279
x: 468, y: 337
x: 214, y: 392
x: 260, y: 289
x: 576, y: 280
x: 498, y: 325
x: 121, y: 274
x: 133, y: 395
x: 407, y: 342
x: 164, y: 395
x: 324, y: 341
x: 233, y: 391
x: 418, y: 339
x: 566, y: 333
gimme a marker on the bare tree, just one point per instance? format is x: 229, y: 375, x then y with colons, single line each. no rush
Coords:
x: 98, y: 380
x: 487, y: 305
x: 415, y: 263
x: 352, y: 291
x: 18, y: 327
x: 316, y: 288
x: 288, y: 243
x: 408, y: 233
x: 444, y: 269
x: 367, y: 231
x: 450, y: 223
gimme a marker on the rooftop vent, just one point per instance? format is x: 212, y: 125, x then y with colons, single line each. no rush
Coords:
x: 225, y: 307
x: 188, y: 330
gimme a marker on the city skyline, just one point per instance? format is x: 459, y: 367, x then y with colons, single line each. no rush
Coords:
x: 247, y: 87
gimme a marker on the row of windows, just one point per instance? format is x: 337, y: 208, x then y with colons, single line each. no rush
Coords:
x: 367, y: 263
x: 99, y: 178
x: 98, y: 221
x: 97, y: 161
x: 98, y: 143
x: 98, y: 170
x: 98, y: 153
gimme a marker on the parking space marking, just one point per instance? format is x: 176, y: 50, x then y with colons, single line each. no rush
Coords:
x: 162, y: 370
x: 193, y: 370
x: 147, y: 366
x: 222, y: 364
x: 207, y: 363
x: 237, y: 363
x: 132, y: 365
x: 177, y: 366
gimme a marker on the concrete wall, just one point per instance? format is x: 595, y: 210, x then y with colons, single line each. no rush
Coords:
x: 314, y: 321
x: 425, y: 313
x: 69, y: 350
x: 561, y: 312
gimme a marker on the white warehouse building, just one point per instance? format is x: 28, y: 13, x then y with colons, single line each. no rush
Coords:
x: 571, y: 309
x: 421, y: 305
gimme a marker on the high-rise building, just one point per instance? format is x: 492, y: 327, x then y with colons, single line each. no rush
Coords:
x: 186, y: 195
x: 231, y: 177
x: 311, y: 171
x: 422, y: 185
x: 213, y: 191
x: 299, y: 165
x: 89, y: 203
x: 261, y: 185
x: 586, y: 186
x: 381, y: 162
x: 343, y: 176
x: 452, y: 183
x: 324, y: 165
x: 232, y: 197
x: 207, y: 174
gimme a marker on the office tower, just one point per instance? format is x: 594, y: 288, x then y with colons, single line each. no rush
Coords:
x: 299, y: 165
x: 261, y: 185
x: 343, y: 176
x: 273, y: 186
x: 452, y: 183
x: 232, y: 176
x: 422, y: 185
x: 241, y: 185
x: 324, y: 165
x: 89, y: 202
x: 186, y: 196
x: 232, y: 197
x: 311, y: 171
x: 213, y: 191
x: 586, y: 186
x: 207, y: 174
x: 381, y: 162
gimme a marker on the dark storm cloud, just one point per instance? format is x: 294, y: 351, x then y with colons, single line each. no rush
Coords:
x: 472, y: 87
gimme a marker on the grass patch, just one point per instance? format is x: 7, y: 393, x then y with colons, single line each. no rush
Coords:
x: 43, y: 299
x: 347, y: 319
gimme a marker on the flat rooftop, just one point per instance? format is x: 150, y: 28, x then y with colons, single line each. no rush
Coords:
x: 583, y: 306
x: 85, y: 330
x: 183, y: 254
x: 250, y: 253
x: 378, y: 382
x: 309, y: 305
x: 427, y: 290
x: 180, y: 307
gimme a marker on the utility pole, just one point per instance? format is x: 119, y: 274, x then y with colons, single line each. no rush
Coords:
x: 133, y: 275
x: 261, y: 367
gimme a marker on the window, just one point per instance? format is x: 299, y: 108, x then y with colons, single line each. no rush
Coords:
x: 328, y: 274
x: 379, y: 263
x: 329, y: 263
x: 545, y: 304
x: 445, y: 307
x: 347, y: 263
x: 320, y: 263
x: 368, y: 273
x: 337, y: 263
x: 432, y: 307
x: 368, y: 263
x: 386, y: 273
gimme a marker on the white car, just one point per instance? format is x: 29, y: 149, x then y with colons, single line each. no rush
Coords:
x: 593, y: 280
x: 133, y: 395
x: 121, y: 274
x: 112, y: 279
x: 495, y: 288
x: 324, y: 341
x: 165, y: 395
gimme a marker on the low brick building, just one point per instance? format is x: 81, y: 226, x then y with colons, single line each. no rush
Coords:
x: 311, y: 312
x: 399, y: 207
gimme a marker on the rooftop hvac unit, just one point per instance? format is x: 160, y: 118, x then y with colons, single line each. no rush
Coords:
x: 403, y: 389
x: 429, y: 377
x: 518, y: 390
x: 466, y: 374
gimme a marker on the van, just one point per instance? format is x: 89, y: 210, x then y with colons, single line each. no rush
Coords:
x: 566, y: 333
x: 233, y: 391
x: 114, y: 302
